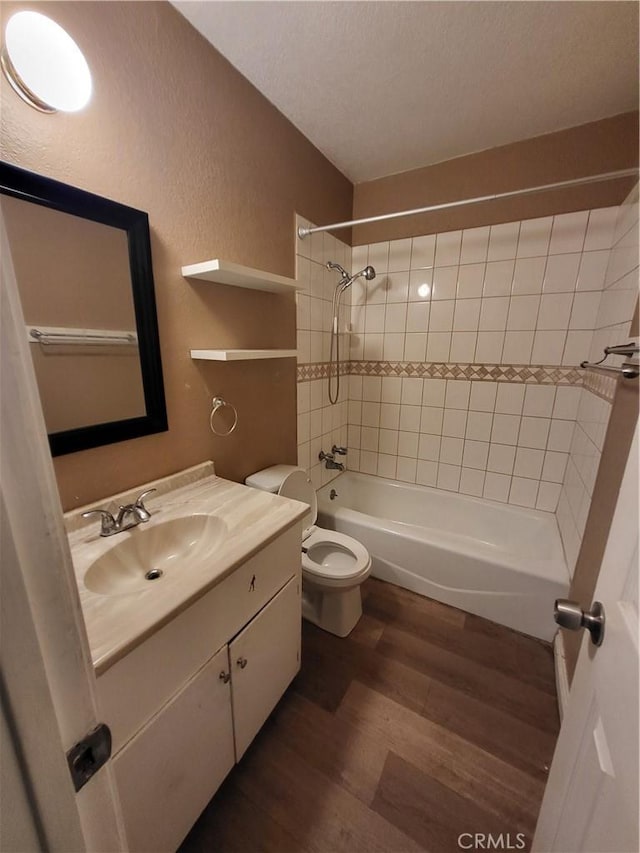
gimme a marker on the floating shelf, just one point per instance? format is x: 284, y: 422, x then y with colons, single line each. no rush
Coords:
x: 224, y: 272
x: 241, y: 354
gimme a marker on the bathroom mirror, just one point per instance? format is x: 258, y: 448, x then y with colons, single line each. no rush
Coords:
x: 83, y: 268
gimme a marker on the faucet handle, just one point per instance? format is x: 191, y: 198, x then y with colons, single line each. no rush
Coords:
x: 108, y: 524
x: 141, y: 497
x: 342, y: 451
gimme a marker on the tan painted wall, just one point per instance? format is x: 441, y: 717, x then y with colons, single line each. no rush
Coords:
x: 174, y: 130
x: 594, y: 148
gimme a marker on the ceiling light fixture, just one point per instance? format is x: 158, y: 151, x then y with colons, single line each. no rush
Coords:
x: 44, y: 65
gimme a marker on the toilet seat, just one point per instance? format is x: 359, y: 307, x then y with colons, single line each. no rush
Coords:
x: 329, y: 558
x: 334, y: 559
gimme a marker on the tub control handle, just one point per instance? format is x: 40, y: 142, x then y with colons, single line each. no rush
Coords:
x: 569, y: 614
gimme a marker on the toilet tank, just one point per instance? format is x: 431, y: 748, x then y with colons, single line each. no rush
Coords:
x: 270, y: 479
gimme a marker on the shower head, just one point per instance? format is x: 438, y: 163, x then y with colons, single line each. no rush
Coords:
x: 367, y: 272
x: 347, y: 280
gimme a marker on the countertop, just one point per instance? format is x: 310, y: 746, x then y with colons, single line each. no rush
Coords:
x: 118, y: 622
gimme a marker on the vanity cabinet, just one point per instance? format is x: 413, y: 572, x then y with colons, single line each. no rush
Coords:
x: 185, y: 704
x: 168, y: 772
x: 264, y: 659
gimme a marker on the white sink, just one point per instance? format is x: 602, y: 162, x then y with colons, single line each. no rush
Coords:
x: 151, y: 552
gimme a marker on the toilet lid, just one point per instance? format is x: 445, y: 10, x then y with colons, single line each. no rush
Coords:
x: 298, y: 487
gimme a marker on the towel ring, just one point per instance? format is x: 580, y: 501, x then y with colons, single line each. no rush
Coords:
x: 219, y: 403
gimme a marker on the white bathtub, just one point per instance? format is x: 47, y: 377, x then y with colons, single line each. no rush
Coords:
x: 501, y: 562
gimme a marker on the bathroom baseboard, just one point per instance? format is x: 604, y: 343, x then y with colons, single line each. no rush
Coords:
x: 562, y: 677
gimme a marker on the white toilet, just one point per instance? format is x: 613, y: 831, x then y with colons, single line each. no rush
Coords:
x: 333, y: 564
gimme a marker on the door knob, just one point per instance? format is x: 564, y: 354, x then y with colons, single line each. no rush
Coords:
x: 569, y: 614
x: 242, y: 662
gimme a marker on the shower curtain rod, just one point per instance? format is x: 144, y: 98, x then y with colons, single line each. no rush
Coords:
x: 623, y: 173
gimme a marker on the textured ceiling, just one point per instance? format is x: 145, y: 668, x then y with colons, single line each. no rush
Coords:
x: 384, y: 87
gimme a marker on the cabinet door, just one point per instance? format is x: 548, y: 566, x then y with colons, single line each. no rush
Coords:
x: 169, y: 771
x: 264, y: 659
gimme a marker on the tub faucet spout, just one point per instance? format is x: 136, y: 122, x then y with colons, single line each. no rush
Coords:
x: 330, y: 462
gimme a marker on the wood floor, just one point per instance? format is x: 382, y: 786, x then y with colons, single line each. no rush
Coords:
x: 425, y: 723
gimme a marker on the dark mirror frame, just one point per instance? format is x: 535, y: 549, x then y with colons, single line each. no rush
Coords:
x: 37, y: 189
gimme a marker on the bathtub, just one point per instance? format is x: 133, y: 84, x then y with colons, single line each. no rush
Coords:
x: 498, y: 561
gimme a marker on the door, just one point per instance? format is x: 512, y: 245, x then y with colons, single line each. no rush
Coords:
x: 591, y: 799
x: 264, y: 657
x: 47, y: 686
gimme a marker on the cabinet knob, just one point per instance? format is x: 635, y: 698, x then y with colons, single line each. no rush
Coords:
x: 225, y: 677
x: 242, y: 662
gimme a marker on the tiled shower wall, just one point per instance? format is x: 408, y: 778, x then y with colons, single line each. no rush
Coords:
x: 320, y: 425
x: 464, y: 352
x: 615, y: 311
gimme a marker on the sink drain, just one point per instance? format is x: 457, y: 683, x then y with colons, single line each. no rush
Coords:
x: 153, y: 574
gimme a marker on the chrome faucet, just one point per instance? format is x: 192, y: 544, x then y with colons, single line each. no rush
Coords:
x: 330, y: 462
x: 135, y: 513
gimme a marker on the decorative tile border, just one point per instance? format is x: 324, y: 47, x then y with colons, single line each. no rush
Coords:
x: 601, y: 384
x: 521, y: 373
x: 320, y: 370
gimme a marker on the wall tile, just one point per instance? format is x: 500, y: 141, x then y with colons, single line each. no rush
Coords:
x: 505, y: 429
x: 458, y: 393
x: 454, y: 423
x: 501, y: 458
x: 534, y: 237
x: 470, y: 281
x: 379, y: 257
x: 548, y: 347
x: 568, y: 232
x: 517, y: 348
x: 423, y: 251
x: 448, y: 248
x: 433, y: 392
x: 483, y: 396
x: 555, y: 310
x: 592, y: 271
x: 539, y: 400
x: 420, y: 285
x: 463, y: 347
x: 466, y: 316
x: 523, y: 492
x: 479, y: 426
x: 496, y: 487
x: 475, y: 242
x: 489, y: 347
x: 523, y: 313
x: 472, y: 482
x: 528, y: 463
x: 399, y: 255
x: 426, y: 473
x: 475, y: 454
x: 498, y: 277
x: 510, y: 399
x: 448, y: 477
x: 534, y: 432
x: 528, y: 275
x: 561, y: 273
x: 503, y: 241
x: 601, y: 228
x: 444, y: 283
